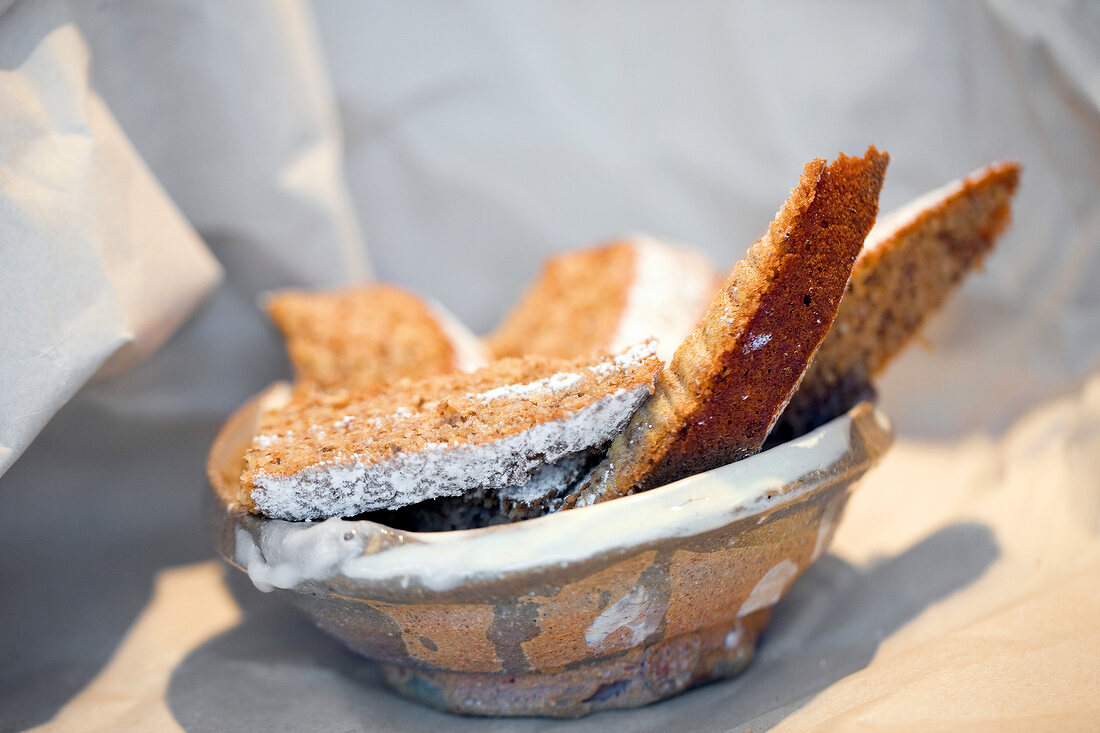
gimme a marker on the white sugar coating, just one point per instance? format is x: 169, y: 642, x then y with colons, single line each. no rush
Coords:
x: 551, y: 479
x: 611, y: 364
x: 636, y: 354
x: 555, y: 382
x: 470, y: 352
x: 265, y: 441
x: 670, y: 291
x: 756, y: 341
x: 890, y: 224
x: 343, y: 489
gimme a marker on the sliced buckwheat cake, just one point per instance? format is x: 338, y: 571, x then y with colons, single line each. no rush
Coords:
x: 608, y: 297
x: 344, y: 452
x: 371, y: 334
x: 913, y: 260
x: 730, y: 379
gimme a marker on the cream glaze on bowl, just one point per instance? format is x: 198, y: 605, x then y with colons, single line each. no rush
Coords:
x: 608, y: 606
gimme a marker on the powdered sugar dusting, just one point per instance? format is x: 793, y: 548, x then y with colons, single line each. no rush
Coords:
x: 671, y: 289
x: 347, y: 486
x: 756, y: 341
x: 551, y: 479
x: 607, y: 366
x: 636, y: 354
x: 555, y: 383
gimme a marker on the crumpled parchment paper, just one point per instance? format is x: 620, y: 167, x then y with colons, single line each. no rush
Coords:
x: 466, y: 141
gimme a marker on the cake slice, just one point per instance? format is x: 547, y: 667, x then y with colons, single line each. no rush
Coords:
x: 608, y: 297
x: 729, y: 380
x: 344, y: 452
x: 913, y: 260
x: 369, y: 335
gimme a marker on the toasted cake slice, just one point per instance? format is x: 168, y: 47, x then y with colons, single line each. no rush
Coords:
x: 344, y: 452
x: 728, y: 382
x: 371, y: 334
x: 607, y: 298
x: 913, y: 260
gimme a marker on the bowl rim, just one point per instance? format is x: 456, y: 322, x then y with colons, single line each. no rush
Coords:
x: 278, y: 553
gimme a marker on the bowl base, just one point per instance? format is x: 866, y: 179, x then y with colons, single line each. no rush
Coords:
x: 625, y: 679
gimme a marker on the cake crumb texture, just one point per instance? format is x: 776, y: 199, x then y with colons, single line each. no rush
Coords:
x: 369, y: 335
x: 913, y: 260
x: 608, y: 297
x: 343, y: 452
x: 729, y: 380
x: 572, y: 308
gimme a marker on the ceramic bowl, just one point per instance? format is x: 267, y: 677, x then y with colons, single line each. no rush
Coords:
x: 609, y: 606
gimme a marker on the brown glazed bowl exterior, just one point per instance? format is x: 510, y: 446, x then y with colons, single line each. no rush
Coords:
x: 609, y: 606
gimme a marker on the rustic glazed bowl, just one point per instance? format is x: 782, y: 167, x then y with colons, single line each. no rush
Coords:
x: 610, y: 606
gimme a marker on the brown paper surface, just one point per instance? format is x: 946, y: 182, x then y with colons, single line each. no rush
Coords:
x: 1009, y: 641
x: 1018, y: 647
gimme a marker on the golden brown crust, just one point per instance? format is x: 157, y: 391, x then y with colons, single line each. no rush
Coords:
x: 361, y: 336
x: 896, y: 285
x: 573, y: 308
x: 729, y: 380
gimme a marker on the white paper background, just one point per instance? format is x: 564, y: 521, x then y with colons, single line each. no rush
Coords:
x: 477, y: 138
x: 99, y: 268
x: 482, y: 136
